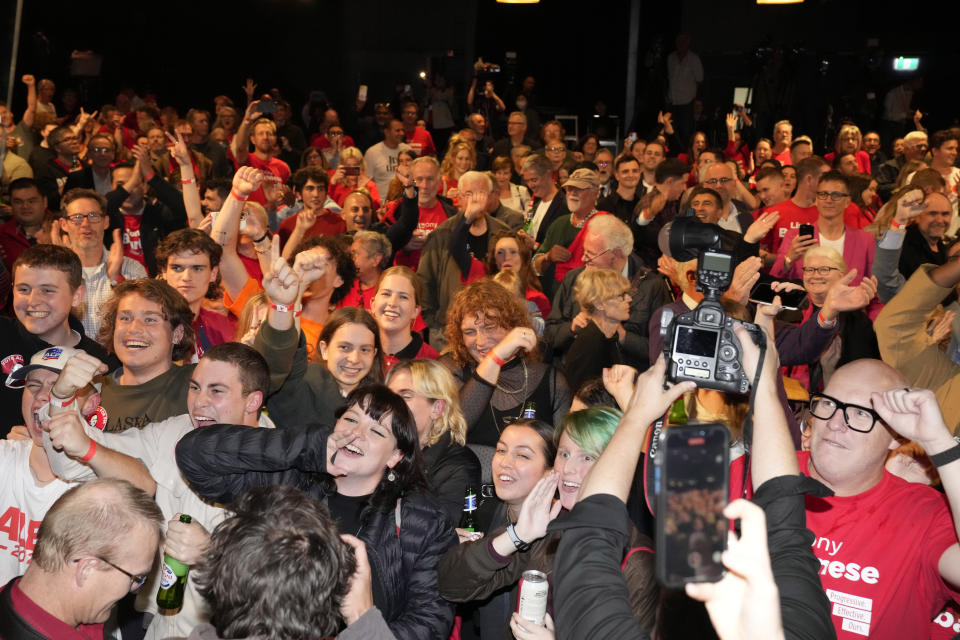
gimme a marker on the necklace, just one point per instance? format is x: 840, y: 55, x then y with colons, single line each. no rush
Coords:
x: 579, y: 225
x: 523, y: 390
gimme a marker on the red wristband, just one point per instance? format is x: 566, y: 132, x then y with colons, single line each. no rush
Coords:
x: 62, y: 403
x: 150, y: 177
x: 500, y: 361
x: 286, y: 308
x: 92, y: 451
x: 236, y: 195
x: 823, y: 321
x: 190, y: 181
x: 896, y: 226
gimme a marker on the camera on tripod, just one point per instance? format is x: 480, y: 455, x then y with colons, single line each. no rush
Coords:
x: 700, y: 345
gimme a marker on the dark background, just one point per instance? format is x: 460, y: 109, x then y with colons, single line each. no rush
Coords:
x: 834, y: 52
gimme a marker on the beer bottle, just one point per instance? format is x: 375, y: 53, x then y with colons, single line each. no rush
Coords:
x: 173, y: 580
x: 467, y: 520
x: 678, y: 412
x: 530, y: 410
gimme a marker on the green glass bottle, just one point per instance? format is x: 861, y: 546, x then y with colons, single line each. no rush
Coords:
x: 173, y: 580
x: 468, y: 520
x: 678, y: 412
x: 530, y: 410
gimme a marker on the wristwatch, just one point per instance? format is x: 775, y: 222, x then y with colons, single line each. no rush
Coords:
x: 517, y: 542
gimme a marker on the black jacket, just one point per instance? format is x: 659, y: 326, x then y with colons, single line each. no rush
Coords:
x: 557, y: 209
x: 916, y: 252
x: 450, y: 468
x: 157, y: 221
x: 648, y: 291
x: 222, y: 461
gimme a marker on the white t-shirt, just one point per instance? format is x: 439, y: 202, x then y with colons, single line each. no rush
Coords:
x: 155, y: 446
x: 23, y: 505
x: 538, y: 216
x: 683, y: 76
x: 381, y: 164
x: 833, y: 244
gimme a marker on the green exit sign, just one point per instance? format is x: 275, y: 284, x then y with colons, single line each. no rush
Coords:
x: 905, y: 64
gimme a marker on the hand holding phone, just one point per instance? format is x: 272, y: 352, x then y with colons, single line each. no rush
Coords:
x: 806, y: 230
x: 790, y: 298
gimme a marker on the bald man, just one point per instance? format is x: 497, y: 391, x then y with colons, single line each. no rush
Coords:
x: 887, y: 548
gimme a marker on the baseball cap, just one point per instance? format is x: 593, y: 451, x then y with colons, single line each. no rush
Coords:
x: 52, y: 359
x: 583, y: 179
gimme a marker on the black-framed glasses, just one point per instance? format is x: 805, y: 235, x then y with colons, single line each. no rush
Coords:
x: 101, y: 149
x: 857, y: 418
x: 820, y: 271
x: 833, y: 195
x: 623, y: 295
x: 77, y: 218
x: 136, y: 580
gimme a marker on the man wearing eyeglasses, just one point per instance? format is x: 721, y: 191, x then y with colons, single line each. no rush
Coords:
x: 516, y: 136
x: 887, y: 548
x: 84, y: 223
x: 96, y: 175
x: 857, y: 247
x: 96, y: 545
x: 735, y: 215
x: 52, y: 175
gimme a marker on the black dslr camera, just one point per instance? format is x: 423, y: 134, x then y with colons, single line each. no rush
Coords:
x: 700, y: 345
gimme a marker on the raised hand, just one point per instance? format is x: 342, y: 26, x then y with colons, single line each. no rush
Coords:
x: 745, y: 275
x: 475, y: 206
x: 761, y: 227
x: 281, y: 284
x: 914, y: 414
x: 249, y: 88
x: 58, y: 234
x: 144, y: 164
x: 619, y: 380
x: 115, y: 257
x: 67, y: 434
x: 731, y: 122
x: 746, y: 602
x: 336, y: 441
x: 306, y: 218
x: 538, y: 509
x: 79, y: 371
x: 799, y: 246
x: 909, y: 206
x: 247, y: 180
x: 650, y: 399
x: 843, y: 297
x: 28, y: 80
x: 311, y: 265
x: 179, y: 150
x: 942, y: 329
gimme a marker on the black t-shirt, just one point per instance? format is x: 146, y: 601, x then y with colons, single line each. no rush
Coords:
x: 346, y: 511
x: 17, y: 346
x: 477, y: 245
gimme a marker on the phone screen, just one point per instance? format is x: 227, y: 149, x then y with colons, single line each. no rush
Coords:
x: 762, y: 293
x: 351, y: 171
x: 693, y: 490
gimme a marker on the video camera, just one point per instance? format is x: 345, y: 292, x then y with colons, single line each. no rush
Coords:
x: 700, y: 345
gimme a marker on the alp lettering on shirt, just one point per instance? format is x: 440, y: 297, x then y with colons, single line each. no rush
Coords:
x: 855, y: 611
x: 131, y: 240
x: 21, y: 534
x: 948, y: 620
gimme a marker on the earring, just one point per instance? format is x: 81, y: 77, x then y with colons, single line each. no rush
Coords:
x: 391, y: 477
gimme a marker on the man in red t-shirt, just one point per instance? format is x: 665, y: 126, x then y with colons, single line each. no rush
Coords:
x: 418, y: 138
x: 310, y: 186
x: 189, y: 260
x: 433, y: 211
x: 97, y: 544
x: 782, y: 137
x: 802, y: 207
x: 262, y: 133
x: 888, y: 548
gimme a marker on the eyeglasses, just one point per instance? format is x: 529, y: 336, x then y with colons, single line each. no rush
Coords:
x: 833, y: 195
x: 603, y: 164
x: 820, y: 271
x: 516, y: 123
x: 335, y: 133
x: 136, y: 580
x: 715, y: 181
x: 857, y: 418
x: 77, y: 218
x: 101, y: 149
x: 556, y: 148
x: 623, y: 295
x: 588, y: 258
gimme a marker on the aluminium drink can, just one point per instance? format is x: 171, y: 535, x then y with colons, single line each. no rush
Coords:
x: 532, y: 603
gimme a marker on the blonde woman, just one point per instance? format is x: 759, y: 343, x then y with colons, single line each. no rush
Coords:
x: 849, y: 140
x: 460, y: 158
x: 604, y: 296
x: 351, y: 173
x: 433, y: 396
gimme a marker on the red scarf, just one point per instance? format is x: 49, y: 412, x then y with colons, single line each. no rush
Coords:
x: 576, y: 248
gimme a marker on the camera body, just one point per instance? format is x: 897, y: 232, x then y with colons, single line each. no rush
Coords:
x: 699, y: 345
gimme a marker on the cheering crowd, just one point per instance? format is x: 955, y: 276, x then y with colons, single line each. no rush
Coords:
x: 318, y: 340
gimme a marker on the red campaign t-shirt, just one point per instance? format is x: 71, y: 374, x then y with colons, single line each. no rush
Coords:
x: 946, y: 626
x: 210, y: 329
x: 46, y: 624
x: 320, y: 141
x: 328, y: 224
x: 358, y: 297
x: 791, y: 217
x: 252, y: 265
x: 879, y: 552
x: 421, y: 142
x: 339, y: 192
x: 276, y: 166
x: 132, y: 247
x: 854, y: 216
x: 429, y: 220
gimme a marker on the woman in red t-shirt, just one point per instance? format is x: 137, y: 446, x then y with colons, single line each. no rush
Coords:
x: 350, y: 174
x: 460, y: 158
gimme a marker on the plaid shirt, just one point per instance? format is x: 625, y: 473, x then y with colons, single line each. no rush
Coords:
x: 98, y: 289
